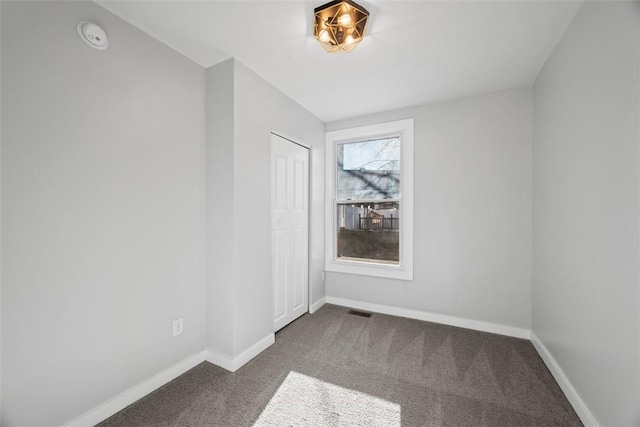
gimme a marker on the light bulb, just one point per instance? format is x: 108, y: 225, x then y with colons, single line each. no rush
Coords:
x: 345, y: 19
x: 324, y: 36
x: 349, y: 40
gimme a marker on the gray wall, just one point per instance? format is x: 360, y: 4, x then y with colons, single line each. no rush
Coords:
x: 243, y: 153
x: 259, y: 109
x: 472, y: 212
x: 0, y: 217
x: 102, y: 210
x: 586, y: 229
x: 220, y: 207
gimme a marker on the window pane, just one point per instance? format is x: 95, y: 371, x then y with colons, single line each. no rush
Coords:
x: 368, y: 169
x: 369, y: 232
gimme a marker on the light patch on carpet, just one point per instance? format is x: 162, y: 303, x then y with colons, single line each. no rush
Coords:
x: 306, y: 401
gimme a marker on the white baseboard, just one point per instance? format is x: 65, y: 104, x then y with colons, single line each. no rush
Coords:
x: 316, y: 305
x: 477, y: 325
x: 221, y: 360
x: 235, y: 363
x: 244, y: 357
x: 574, y: 398
x: 135, y: 393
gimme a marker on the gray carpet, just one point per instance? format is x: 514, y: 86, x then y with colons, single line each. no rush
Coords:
x: 334, y: 368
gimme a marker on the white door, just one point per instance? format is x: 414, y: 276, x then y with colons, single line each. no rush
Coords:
x: 289, y: 230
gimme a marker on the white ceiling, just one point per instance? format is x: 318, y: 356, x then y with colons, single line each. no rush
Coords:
x: 414, y: 52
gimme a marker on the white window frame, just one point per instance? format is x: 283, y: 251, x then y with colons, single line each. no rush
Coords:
x: 403, y: 270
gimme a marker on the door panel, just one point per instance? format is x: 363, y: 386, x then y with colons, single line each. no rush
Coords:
x: 280, y: 185
x: 299, y: 266
x: 289, y: 230
x: 299, y: 181
x: 280, y: 272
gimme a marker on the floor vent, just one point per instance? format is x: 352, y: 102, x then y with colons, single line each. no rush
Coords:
x: 359, y: 313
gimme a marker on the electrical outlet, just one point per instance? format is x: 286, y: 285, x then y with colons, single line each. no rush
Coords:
x: 178, y: 326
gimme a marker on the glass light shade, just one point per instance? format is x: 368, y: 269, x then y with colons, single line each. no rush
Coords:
x: 339, y: 25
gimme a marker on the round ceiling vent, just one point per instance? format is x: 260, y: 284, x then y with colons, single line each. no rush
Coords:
x: 92, y: 35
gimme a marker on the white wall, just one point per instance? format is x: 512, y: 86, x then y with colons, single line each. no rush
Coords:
x: 102, y: 210
x: 586, y: 228
x: 220, y: 207
x: 472, y: 214
x: 0, y: 215
x: 258, y: 109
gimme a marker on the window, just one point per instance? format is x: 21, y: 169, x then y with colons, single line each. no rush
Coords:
x: 369, y: 218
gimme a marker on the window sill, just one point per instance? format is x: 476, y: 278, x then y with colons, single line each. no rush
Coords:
x: 389, y: 271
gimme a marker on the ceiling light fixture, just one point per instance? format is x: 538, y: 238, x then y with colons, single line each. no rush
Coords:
x: 339, y: 25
